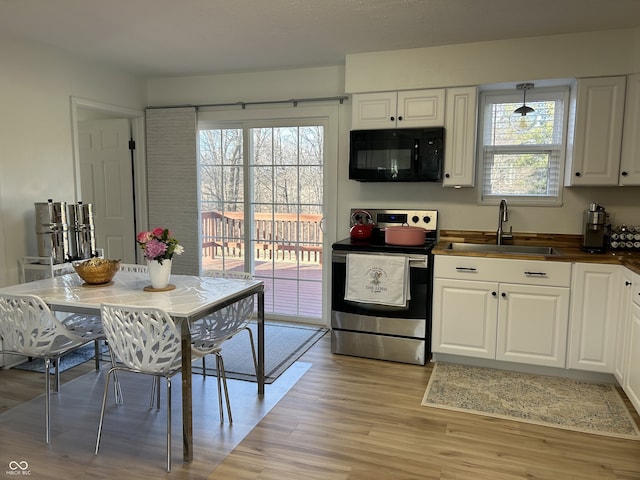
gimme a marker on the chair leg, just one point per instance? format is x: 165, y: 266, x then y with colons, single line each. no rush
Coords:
x: 204, y: 367
x: 222, y: 385
x: 47, y: 390
x: 253, y: 349
x: 155, y: 392
x: 57, y: 370
x: 104, y: 402
x: 96, y: 345
x: 168, y: 421
x: 116, y: 383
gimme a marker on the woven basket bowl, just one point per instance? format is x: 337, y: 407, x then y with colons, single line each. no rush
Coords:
x: 97, y: 273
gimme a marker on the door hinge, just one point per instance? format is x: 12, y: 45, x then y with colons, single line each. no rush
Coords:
x: 132, y: 144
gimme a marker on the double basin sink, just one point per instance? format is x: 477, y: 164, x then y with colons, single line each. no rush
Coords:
x: 507, y: 249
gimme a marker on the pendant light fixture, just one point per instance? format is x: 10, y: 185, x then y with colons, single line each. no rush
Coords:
x: 523, y: 118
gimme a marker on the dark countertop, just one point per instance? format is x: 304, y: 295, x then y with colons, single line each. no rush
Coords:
x: 568, y: 247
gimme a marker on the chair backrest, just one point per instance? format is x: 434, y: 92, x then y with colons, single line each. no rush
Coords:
x: 143, y: 339
x: 227, y: 322
x: 133, y: 267
x: 28, y: 326
x: 227, y: 274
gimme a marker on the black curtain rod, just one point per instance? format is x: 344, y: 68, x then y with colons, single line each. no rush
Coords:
x: 294, y: 101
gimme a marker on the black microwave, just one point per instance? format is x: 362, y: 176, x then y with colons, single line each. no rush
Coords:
x: 396, y: 155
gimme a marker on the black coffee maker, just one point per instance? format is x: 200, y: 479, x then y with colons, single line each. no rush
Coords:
x: 594, y: 232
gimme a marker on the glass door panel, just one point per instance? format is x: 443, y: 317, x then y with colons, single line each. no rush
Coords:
x: 273, y: 229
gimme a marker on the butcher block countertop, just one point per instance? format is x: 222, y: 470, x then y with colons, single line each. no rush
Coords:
x: 568, y: 247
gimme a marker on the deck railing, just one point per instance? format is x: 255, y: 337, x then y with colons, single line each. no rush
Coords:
x: 281, y: 236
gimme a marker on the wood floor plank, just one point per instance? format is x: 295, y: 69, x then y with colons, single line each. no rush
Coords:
x: 358, y: 419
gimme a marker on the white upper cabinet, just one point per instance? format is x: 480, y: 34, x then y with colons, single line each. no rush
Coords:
x: 595, y: 141
x: 411, y: 108
x: 630, y: 161
x: 460, y: 136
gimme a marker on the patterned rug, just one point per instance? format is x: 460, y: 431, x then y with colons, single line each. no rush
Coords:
x: 542, y: 400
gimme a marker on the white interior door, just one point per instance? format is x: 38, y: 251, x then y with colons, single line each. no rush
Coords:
x: 107, y: 183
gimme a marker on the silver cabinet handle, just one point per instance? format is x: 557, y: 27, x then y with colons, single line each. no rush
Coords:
x: 537, y: 274
x: 466, y: 269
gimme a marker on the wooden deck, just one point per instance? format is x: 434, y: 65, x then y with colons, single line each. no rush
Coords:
x: 287, y: 252
x: 290, y: 288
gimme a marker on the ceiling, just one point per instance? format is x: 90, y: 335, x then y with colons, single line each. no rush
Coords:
x: 156, y: 38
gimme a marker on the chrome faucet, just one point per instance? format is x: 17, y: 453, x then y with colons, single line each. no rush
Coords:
x: 503, y: 216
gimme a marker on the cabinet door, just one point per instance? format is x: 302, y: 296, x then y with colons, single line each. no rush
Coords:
x: 460, y: 137
x: 632, y: 384
x: 596, y: 145
x: 420, y: 108
x: 532, y: 324
x: 622, y: 334
x: 630, y: 161
x: 464, y: 317
x: 594, y: 317
x: 373, y: 110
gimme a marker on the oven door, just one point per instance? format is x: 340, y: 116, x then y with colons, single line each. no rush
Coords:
x: 408, y: 321
x: 419, y: 284
x: 369, y: 330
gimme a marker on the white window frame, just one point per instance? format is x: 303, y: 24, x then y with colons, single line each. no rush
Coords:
x: 489, y: 97
x: 329, y: 115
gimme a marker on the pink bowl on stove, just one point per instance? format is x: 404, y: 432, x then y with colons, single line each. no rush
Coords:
x: 405, y: 236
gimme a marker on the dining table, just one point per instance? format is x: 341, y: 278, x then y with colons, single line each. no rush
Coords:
x: 187, y: 299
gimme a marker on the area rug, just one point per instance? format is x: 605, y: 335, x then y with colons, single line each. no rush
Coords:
x: 284, y: 344
x: 541, y: 400
x: 70, y: 360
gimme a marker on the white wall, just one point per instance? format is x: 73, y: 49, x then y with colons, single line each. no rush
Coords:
x: 530, y: 59
x: 36, y: 152
x: 555, y: 56
x: 561, y: 56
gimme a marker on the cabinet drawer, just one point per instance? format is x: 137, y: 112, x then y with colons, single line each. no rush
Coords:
x: 527, y: 272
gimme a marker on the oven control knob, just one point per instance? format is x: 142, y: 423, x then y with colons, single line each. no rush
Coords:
x: 415, y: 219
x: 426, y: 219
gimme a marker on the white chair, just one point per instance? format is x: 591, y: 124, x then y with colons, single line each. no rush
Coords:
x: 143, y: 340
x: 133, y: 267
x: 28, y: 327
x: 209, y: 333
x: 244, y: 326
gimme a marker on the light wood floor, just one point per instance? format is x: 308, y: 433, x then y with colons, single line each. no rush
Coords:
x: 358, y: 419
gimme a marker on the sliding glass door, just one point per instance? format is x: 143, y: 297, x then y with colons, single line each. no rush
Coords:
x: 262, y: 209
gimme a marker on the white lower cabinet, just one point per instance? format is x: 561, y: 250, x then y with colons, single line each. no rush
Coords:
x: 532, y: 324
x: 510, y: 310
x: 464, y: 317
x: 593, y: 325
x: 631, y: 384
x: 622, y: 334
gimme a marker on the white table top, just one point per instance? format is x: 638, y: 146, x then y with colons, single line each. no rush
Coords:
x: 192, y: 298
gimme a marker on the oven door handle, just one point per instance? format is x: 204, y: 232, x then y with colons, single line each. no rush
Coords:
x: 414, y: 261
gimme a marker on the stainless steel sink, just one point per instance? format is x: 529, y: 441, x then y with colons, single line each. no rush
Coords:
x: 510, y: 249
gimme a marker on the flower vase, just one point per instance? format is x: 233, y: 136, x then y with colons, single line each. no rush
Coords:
x: 159, y: 273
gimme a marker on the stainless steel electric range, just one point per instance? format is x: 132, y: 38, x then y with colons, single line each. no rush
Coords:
x: 372, y: 330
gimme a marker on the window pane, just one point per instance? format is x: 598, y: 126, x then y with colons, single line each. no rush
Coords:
x: 286, y: 182
x: 519, y: 174
x: 523, y: 159
x: 311, y: 145
x: 262, y: 184
x: 503, y: 128
x: 283, y: 212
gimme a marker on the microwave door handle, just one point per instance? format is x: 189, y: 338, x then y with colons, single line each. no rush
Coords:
x: 416, y: 154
